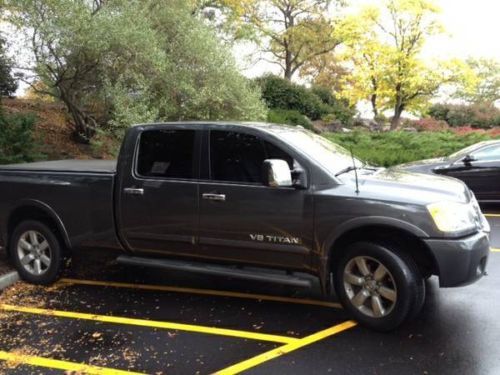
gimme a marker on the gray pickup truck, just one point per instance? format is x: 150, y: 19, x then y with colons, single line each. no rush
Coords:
x: 263, y: 202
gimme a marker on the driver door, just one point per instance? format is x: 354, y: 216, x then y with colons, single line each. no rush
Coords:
x: 243, y: 221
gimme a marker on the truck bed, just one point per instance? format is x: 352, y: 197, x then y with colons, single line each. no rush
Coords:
x: 86, y: 166
x: 76, y: 193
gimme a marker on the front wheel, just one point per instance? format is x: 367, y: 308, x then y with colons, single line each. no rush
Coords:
x: 36, y: 252
x: 377, y: 285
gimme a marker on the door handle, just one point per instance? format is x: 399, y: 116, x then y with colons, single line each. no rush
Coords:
x: 214, y: 197
x: 133, y: 191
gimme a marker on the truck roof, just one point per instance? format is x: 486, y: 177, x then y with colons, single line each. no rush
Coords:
x: 248, y: 124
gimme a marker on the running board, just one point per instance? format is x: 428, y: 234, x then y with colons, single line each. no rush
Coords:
x: 216, y: 270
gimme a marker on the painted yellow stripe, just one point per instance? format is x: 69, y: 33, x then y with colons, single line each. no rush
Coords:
x: 492, y: 215
x: 220, y: 293
x: 152, y: 324
x: 495, y: 250
x: 61, y: 365
x: 264, y: 357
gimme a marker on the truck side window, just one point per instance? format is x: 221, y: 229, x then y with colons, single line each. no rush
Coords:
x: 166, y: 153
x: 238, y: 157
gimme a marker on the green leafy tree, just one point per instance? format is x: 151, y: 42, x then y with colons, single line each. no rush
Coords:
x: 8, y: 84
x: 483, y: 85
x: 116, y: 62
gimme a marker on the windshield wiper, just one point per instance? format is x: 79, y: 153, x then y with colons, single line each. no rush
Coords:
x: 345, y: 170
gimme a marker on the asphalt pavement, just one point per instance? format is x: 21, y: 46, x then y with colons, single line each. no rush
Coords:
x: 104, y: 318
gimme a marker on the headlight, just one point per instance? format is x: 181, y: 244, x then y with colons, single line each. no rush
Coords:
x: 452, y: 216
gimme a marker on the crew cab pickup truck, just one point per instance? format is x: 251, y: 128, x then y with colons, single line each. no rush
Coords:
x: 268, y: 203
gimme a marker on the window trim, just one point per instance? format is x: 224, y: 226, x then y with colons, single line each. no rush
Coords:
x: 195, y: 162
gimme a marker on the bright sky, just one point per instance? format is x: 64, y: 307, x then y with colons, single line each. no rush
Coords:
x: 472, y: 29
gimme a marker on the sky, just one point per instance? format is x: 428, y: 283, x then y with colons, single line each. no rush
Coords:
x: 472, y: 29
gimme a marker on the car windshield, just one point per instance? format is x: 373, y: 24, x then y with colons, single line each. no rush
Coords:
x: 330, y: 156
x: 466, y: 151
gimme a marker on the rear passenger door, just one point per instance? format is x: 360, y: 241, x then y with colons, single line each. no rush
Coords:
x: 158, y: 208
x: 243, y: 221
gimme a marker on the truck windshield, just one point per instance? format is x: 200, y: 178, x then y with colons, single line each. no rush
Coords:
x: 330, y: 156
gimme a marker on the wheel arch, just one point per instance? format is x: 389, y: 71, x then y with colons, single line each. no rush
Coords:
x: 404, y: 237
x: 39, y: 211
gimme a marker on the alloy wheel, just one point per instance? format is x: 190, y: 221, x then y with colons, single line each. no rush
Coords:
x: 34, y: 253
x: 370, y: 286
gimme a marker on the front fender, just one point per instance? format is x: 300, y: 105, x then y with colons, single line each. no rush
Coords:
x: 358, y: 223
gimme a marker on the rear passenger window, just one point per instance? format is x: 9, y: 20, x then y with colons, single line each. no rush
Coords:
x: 238, y: 157
x: 166, y: 153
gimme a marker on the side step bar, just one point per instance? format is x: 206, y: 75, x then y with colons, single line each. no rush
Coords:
x: 216, y: 270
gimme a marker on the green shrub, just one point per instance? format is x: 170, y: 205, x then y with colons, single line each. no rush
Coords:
x: 283, y: 94
x: 439, y: 111
x: 392, y: 148
x: 481, y: 116
x: 290, y: 117
x: 17, y: 144
x: 343, y: 112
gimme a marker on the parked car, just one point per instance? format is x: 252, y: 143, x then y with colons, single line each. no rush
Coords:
x: 477, y: 165
x: 262, y: 202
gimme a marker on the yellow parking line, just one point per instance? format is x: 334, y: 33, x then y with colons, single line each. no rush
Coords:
x: 264, y: 357
x: 495, y: 250
x: 61, y: 365
x: 220, y: 293
x: 152, y: 324
x: 492, y: 215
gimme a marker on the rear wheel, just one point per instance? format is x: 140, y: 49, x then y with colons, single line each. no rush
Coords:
x: 36, y: 252
x: 378, y: 286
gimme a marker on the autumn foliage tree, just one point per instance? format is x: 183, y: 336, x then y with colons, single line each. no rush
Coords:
x: 386, y: 64
x: 290, y: 33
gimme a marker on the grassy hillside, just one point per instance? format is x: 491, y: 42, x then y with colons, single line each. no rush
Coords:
x: 53, y: 131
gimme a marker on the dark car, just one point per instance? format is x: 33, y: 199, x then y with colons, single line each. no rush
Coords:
x: 477, y: 165
x: 262, y: 202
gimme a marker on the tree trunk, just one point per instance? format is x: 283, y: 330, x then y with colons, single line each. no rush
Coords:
x: 396, y: 119
x: 85, y: 126
x: 398, y: 108
x: 374, y: 97
x: 288, y: 65
x: 373, y: 100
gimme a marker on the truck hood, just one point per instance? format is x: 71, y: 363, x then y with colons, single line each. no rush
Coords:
x: 399, y: 185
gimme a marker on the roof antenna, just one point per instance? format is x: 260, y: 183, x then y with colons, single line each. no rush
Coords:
x: 355, y: 171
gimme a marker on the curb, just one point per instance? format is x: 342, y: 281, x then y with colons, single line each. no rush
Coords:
x: 8, y: 279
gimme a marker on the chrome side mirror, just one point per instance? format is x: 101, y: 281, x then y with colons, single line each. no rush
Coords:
x: 276, y: 173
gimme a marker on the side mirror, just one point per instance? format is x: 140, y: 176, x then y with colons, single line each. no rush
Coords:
x: 276, y: 173
x: 468, y: 159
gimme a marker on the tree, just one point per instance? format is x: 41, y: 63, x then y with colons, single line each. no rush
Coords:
x: 8, y: 84
x: 289, y: 32
x: 386, y: 64
x: 410, y: 23
x: 326, y: 70
x: 484, y: 82
x: 117, y: 62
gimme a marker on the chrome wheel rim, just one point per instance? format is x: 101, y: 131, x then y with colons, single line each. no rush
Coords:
x: 370, y: 286
x: 34, y: 253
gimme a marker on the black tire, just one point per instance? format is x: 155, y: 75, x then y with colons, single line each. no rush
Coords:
x: 419, y: 299
x: 399, y: 293
x: 48, y: 271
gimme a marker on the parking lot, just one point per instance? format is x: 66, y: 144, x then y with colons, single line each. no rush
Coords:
x: 108, y: 319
